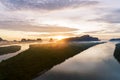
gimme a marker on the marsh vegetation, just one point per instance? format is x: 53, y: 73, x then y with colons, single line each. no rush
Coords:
x: 9, y: 49
x: 38, y: 59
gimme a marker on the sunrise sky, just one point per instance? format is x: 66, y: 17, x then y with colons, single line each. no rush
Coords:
x: 51, y: 18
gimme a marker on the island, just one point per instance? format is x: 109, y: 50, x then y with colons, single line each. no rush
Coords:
x: 82, y: 38
x: 115, y: 39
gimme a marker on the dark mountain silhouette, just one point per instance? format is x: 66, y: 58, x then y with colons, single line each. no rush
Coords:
x: 116, y: 39
x: 2, y: 39
x: 82, y: 38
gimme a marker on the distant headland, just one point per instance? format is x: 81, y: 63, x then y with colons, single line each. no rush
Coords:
x: 115, y: 39
x: 82, y: 38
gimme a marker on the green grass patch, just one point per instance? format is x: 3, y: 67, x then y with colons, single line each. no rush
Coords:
x: 9, y: 49
x: 38, y: 58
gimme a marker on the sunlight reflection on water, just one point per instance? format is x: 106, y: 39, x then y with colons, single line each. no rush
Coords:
x: 96, y: 63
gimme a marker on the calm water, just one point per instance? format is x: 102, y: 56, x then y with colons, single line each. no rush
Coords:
x: 6, y: 56
x: 96, y: 63
x: 24, y: 47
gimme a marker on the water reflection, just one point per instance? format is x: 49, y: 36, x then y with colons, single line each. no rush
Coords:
x: 24, y: 47
x: 6, y: 56
x: 96, y: 63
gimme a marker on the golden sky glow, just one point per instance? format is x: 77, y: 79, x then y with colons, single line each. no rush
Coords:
x: 48, y: 19
x: 60, y: 37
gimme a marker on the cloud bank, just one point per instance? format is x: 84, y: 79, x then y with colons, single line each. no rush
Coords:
x: 84, y: 16
x: 25, y: 26
x: 46, y: 4
x: 113, y: 17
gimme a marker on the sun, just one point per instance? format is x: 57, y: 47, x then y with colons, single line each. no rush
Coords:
x: 60, y: 37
